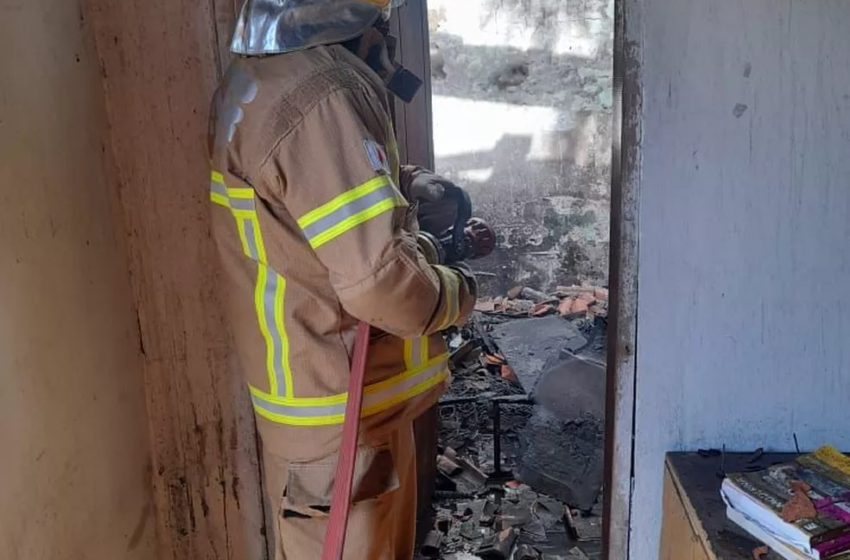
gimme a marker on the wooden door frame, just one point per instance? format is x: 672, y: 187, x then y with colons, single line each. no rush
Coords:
x: 414, y: 124
x: 415, y: 131
x: 621, y: 379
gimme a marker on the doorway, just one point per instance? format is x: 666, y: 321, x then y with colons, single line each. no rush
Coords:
x: 519, y: 105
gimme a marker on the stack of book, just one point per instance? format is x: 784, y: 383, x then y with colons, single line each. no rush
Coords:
x: 800, y: 509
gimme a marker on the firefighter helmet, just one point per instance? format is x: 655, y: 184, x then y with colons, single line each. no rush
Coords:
x: 279, y: 26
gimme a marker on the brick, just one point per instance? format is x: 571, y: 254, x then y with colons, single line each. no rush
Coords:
x: 485, y: 306
x: 566, y: 306
x: 489, y: 359
x: 541, y: 310
x: 580, y: 305
x: 588, y: 297
x: 508, y: 373
x: 564, y: 291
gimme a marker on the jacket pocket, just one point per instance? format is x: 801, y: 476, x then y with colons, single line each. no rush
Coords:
x: 309, y: 486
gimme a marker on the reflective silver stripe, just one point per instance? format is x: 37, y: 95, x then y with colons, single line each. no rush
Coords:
x: 375, y: 399
x: 416, y: 353
x: 298, y: 411
x: 251, y: 239
x: 269, y: 308
x: 270, y: 287
x: 349, y: 210
x: 242, y: 204
x: 218, y: 188
x: 370, y: 400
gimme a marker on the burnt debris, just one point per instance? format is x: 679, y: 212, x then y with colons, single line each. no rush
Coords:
x: 521, y: 430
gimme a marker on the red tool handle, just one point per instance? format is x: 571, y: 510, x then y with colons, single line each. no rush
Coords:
x: 341, y: 498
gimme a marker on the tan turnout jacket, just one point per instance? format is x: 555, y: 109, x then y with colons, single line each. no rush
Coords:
x: 311, y: 216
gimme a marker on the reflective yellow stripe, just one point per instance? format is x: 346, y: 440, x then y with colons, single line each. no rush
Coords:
x: 331, y: 410
x: 416, y: 352
x: 240, y: 227
x: 270, y: 288
x: 240, y: 201
x: 354, y: 221
x: 268, y: 302
x: 451, y: 283
x: 331, y: 220
x: 349, y: 210
x: 261, y: 247
x: 259, y: 305
x: 329, y: 208
x: 220, y: 199
x: 284, y: 339
x: 240, y: 193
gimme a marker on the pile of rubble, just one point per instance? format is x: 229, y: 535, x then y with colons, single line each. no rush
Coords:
x: 511, y: 521
x: 514, y: 480
x: 570, y: 302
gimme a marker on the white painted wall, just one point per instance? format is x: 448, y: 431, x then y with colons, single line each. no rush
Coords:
x: 744, y: 253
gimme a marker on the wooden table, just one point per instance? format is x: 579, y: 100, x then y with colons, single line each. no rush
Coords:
x: 695, y: 525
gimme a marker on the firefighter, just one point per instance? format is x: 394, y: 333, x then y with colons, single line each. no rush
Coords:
x: 316, y: 226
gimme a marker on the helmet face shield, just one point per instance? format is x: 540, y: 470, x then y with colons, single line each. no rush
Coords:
x: 279, y: 26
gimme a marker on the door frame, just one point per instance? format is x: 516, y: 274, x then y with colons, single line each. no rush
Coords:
x: 415, y: 132
x: 621, y: 376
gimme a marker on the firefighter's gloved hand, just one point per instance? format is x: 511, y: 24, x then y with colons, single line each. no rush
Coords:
x: 436, y: 213
x: 427, y: 186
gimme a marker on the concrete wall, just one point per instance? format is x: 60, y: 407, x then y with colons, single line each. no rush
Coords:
x: 744, y: 253
x: 75, y: 463
x: 522, y: 95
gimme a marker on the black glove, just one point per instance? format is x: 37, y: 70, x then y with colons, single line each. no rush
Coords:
x: 436, y: 213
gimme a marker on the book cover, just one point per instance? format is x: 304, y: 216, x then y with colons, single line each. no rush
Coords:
x: 822, y: 477
x: 777, y: 545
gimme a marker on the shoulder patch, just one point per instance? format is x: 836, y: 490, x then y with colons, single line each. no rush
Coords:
x: 377, y: 156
